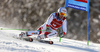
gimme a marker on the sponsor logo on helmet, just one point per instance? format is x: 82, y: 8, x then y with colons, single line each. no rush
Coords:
x: 64, y: 10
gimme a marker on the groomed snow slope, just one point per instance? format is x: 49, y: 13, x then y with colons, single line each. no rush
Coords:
x: 10, y: 44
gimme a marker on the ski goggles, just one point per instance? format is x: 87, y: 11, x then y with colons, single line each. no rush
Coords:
x: 63, y: 14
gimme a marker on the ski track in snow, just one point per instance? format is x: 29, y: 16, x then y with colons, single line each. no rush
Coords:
x: 10, y: 44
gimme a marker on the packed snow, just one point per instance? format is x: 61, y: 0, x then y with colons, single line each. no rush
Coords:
x: 10, y: 44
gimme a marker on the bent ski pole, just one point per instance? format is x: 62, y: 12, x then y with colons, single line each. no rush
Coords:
x: 41, y: 30
x: 13, y: 29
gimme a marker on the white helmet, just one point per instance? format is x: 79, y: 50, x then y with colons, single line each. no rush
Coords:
x: 62, y: 10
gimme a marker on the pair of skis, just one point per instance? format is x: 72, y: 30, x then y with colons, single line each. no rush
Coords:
x: 29, y: 39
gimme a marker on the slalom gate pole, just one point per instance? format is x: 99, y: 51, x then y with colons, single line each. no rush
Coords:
x: 88, y: 25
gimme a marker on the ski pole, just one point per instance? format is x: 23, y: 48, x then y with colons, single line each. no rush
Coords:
x: 59, y: 39
x: 41, y: 30
x: 60, y: 32
x: 13, y: 29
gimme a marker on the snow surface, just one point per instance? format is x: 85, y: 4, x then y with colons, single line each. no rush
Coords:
x: 10, y: 44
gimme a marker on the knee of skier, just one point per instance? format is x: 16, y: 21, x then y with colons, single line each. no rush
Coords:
x: 46, y: 33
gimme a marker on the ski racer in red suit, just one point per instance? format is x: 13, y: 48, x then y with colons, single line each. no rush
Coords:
x: 48, y: 29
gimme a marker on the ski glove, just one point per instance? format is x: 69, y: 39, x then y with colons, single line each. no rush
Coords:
x: 48, y: 29
x: 61, y: 35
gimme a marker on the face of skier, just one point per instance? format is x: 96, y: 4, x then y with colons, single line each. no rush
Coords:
x: 61, y: 15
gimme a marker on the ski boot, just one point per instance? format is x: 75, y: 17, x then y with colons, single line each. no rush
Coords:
x: 23, y: 34
x: 40, y: 37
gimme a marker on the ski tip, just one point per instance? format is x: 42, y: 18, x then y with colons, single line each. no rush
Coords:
x: 50, y: 42
x: 30, y: 39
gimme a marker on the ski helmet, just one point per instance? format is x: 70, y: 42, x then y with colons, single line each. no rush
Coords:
x: 62, y: 11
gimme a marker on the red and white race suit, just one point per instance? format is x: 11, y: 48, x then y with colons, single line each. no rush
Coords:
x: 53, y: 23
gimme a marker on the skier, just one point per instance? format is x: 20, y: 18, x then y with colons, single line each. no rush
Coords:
x: 48, y: 29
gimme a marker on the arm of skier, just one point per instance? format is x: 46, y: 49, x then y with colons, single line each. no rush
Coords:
x: 50, y: 18
x: 47, y: 23
x: 64, y: 28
